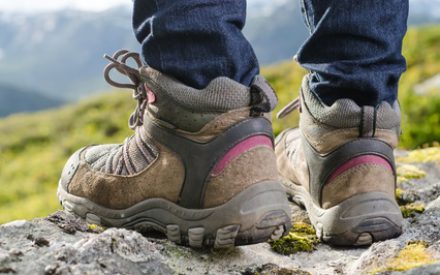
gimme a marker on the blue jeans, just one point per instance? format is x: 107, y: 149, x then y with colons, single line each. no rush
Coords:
x: 354, y: 50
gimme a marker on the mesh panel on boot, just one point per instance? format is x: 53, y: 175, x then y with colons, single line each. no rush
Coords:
x: 221, y: 95
x: 345, y: 113
x: 127, y: 159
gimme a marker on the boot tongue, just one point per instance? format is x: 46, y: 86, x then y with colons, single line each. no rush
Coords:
x: 263, y: 97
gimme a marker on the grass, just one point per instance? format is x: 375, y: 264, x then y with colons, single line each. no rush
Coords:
x: 34, y: 148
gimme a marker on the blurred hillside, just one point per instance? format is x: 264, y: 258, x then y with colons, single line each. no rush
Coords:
x: 59, y: 54
x: 34, y: 148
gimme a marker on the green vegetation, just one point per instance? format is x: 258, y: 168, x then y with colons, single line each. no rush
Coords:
x: 421, y: 118
x: 34, y: 147
x: 301, y: 238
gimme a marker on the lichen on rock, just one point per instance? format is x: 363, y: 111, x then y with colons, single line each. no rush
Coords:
x: 413, y: 255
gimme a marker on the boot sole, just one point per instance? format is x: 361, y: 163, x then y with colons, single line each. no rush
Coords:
x: 257, y: 214
x: 357, y: 221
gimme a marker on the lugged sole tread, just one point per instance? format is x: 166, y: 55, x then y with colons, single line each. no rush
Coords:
x: 364, y: 229
x: 253, y: 223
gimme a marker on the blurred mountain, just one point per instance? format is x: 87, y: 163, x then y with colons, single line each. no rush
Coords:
x: 14, y: 100
x: 60, y: 53
x: 424, y: 12
x: 276, y: 31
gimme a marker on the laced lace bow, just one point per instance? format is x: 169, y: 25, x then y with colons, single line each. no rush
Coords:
x: 119, y: 63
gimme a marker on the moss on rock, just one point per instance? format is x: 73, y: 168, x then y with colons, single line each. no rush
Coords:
x: 301, y: 238
x: 406, y: 172
x: 94, y: 228
x: 273, y: 269
x: 413, y: 255
x: 422, y: 155
x: 400, y: 196
x: 410, y: 210
x: 404, y: 197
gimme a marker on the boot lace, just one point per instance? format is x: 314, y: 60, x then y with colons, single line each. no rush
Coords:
x: 290, y: 107
x: 118, y: 62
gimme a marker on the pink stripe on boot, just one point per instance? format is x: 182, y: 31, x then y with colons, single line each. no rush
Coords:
x: 367, y: 159
x: 239, y: 149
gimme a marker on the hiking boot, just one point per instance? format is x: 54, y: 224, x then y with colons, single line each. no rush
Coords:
x: 339, y: 165
x: 200, y: 166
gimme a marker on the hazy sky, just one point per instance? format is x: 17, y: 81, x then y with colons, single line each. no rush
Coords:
x: 48, y: 5
x: 44, y: 5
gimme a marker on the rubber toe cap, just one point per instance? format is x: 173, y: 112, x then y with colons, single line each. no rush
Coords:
x: 70, y: 169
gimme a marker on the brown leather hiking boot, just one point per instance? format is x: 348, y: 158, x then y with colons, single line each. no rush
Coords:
x: 339, y: 164
x: 200, y: 166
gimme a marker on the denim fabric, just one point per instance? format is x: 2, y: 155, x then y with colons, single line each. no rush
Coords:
x: 354, y: 50
x: 195, y: 41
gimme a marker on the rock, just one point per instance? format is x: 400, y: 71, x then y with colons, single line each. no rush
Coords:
x: 433, y: 269
x: 65, y: 244
x: 42, y: 246
x: 273, y: 269
x: 435, y: 204
x: 376, y: 256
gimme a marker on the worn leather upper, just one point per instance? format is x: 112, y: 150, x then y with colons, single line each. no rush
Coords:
x: 333, y: 132
x: 153, y: 164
